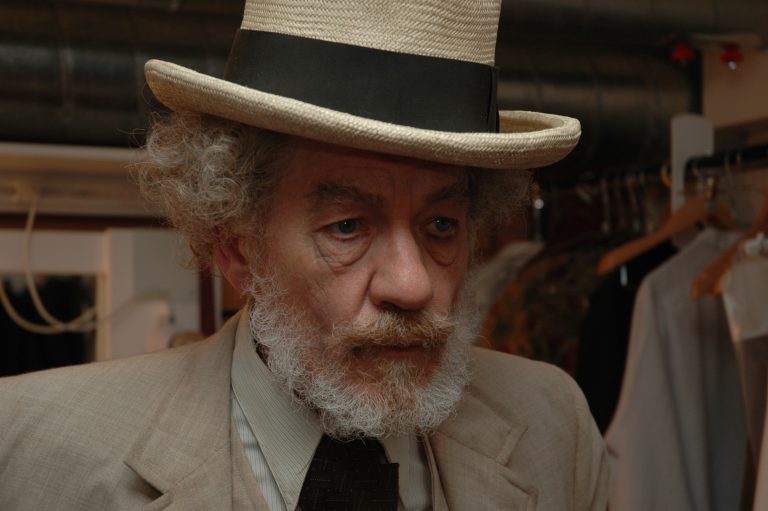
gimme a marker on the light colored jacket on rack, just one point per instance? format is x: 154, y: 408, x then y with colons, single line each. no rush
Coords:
x: 154, y: 432
x: 677, y: 440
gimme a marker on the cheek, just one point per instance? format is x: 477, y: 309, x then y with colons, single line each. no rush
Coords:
x: 448, y: 252
x: 444, y: 252
x: 449, y: 276
x: 331, y: 297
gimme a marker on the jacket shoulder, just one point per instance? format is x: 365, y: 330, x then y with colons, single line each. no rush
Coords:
x: 519, y: 386
x: 94, y: 384
x: 555, y: 443
x: 66, y: 431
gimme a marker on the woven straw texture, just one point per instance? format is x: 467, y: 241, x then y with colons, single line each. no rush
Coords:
x: 453, y: 29
x: 527, y: 139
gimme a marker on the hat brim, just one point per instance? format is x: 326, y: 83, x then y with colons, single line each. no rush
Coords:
x: 525, y: 139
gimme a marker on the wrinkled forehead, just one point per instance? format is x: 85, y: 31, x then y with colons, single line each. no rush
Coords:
x: 321, y: 170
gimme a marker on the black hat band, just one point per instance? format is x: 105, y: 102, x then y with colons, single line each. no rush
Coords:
x: 410, y: 90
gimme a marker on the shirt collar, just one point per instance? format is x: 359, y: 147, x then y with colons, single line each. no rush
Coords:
x: 413, y: 473
x: 287, y: 432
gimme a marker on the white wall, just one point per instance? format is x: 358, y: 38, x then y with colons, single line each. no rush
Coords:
x: 144, y: 292
x: 149, y: 291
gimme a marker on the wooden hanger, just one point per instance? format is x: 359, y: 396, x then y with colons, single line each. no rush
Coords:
x: 694, y: 211
x: 708, y: 281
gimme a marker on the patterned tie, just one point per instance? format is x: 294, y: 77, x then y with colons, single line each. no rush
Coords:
x: 350, y: 476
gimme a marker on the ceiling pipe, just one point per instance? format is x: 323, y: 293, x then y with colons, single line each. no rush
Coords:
x: 636, y: 20
x: 648, y: 19
x: 232, y: 8
x: 73, y: 73
x: 624, y: 99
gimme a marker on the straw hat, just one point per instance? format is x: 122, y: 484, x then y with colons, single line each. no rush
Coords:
x: 413, y: 78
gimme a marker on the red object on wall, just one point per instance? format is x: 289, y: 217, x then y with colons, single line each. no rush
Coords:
x: 731, y: 56
x: 682, y: 53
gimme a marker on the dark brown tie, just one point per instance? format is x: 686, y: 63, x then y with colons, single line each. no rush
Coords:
x: 350, y: 476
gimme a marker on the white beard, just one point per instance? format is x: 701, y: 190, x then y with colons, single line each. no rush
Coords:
x: 393, y: 403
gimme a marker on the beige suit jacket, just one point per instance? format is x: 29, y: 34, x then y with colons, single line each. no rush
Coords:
x: 154, y: 432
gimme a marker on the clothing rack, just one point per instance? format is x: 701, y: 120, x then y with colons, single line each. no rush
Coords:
x: 748, y: 157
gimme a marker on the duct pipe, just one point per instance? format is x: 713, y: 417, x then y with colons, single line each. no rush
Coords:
x: 649, y: 20
x: 226, y: 8
x: 646, y: 19
x: 624, y: 99
x: 75, y: 75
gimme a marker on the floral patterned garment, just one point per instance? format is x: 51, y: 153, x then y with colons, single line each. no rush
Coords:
x: 540, y: 314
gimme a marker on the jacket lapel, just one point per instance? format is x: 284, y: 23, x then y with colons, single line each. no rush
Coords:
x: 472, y: 455
x: 184, y: 453
x: 438, y: 495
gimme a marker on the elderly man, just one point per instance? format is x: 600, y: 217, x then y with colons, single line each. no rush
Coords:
x: 337, y: 176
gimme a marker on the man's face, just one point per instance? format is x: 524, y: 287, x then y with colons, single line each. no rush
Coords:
x: 364, y: 255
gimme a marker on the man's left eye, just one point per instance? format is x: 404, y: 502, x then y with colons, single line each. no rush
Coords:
x: 442, y: 227
x: 346, y: 227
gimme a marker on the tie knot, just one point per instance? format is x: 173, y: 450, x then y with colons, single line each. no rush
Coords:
x: 360, y: 450
x: 350, y: 476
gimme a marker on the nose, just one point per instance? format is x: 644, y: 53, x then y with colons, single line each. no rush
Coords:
x: 401, y: 277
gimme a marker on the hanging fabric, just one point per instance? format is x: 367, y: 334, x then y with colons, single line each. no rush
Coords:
x: 539, y: 315
x: 604, y: 334
x: 677, y: 440
x: 708, y: 281
x: 696, y: 210
x: 745, y: 295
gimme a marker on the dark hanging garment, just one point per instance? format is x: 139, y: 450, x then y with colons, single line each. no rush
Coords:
x: 539, y: 314
x: 604, y: 335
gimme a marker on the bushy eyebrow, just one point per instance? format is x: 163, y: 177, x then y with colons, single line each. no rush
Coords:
x: 339, y: 193
x: 330, y: 192
x: 458, y: 190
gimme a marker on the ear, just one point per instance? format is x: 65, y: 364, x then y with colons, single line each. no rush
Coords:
x: 232, y: 263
